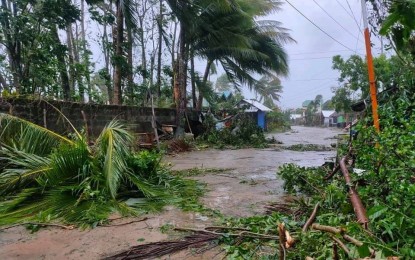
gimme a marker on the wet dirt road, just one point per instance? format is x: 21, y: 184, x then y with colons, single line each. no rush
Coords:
x: 249, y: 183
x: 252, y: 181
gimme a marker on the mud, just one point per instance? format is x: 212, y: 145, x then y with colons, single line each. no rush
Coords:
x: 243, y: 190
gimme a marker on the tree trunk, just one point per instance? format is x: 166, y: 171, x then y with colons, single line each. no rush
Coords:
x: 85, y: 55
x: 60, y: 56
x: 107, y: 65
x: 130, y: 77
x: 118, y: 55
x: 205, y: 79
x: 71, y: 59
x: 182, y: 80
x: 160, y: 47
x: 143, y: 50
x: 11, y: 45
x: 193, y: 79
x: 78, y: 76
x: 173, y: 62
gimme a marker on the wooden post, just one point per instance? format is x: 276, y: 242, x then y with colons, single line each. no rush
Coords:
x: 371, y: 71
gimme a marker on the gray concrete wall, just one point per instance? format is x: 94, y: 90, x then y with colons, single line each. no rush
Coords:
x: 138, y: 119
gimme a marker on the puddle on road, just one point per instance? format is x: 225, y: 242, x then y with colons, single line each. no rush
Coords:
x: 253, y: 182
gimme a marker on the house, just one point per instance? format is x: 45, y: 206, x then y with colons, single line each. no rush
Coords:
x: 257, y: 109
x: 329, y: 118
x: 296, y: 119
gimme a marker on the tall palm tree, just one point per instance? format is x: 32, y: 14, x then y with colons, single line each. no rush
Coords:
x: 243, y: 50
x: 269, y: 90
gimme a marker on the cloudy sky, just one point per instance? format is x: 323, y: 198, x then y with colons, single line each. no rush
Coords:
x: 310, y: 58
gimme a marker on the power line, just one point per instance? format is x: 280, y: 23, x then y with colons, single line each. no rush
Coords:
x: 322, y: 52
x: 318, y: 27
x: 309, y: 79
x: 344, y: 8
x: 329, y: 15
x: 320, y: 58
x: 354, y: 17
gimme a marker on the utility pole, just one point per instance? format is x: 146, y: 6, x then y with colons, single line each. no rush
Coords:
x: 370, y: 68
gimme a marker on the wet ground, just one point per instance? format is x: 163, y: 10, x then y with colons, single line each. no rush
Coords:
x: 249, y: 183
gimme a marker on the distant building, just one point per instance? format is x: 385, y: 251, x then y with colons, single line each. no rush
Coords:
x: 306, y: 103
x: 329, y: 118
x: 257, y: 109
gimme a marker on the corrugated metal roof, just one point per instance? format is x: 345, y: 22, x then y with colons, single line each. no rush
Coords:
x: 328, y: 113
x: 257, y: 105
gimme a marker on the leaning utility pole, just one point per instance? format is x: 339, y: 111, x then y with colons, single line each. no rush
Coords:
x: 370, y: 68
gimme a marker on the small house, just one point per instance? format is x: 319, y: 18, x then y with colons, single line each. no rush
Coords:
x: 257, y: 109
x: 329, y: 118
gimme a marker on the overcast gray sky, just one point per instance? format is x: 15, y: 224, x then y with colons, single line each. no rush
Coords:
x: 310, y: 58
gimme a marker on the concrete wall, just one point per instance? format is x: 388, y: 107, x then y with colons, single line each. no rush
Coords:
x: 138, y: 119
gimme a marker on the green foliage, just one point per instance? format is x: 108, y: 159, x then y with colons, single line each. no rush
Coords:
x: 278, y: 121
x: 47, y: 177
x: 243, y: 132
x: 386, y: 188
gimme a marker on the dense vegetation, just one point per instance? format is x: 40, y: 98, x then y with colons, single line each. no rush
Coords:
x: 48, y: 177
x: 386, y: 186
x: 383, y: 171
x: 242, y: 131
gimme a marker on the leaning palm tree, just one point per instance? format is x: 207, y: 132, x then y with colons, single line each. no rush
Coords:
x: 253, y: 47
x: 44, y: 175
x: 269, y: 89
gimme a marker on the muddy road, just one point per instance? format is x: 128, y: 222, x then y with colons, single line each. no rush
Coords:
x: 246, y: 183
x: 251, y: 180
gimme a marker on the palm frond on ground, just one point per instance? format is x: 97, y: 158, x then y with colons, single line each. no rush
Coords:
x: 65, y: 179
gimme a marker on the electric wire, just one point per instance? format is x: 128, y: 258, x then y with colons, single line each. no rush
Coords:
x: 329, y: 15
x: 322, y: 52
x: 354, y: 17
x: 318, y: 27
x: 344, y: 8
x: 321, y: 58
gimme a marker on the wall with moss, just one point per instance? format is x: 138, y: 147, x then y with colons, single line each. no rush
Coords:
x: 95, y: 116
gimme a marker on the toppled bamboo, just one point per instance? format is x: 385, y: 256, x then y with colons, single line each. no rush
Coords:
x: 311, y: 218
x: 358, y: 207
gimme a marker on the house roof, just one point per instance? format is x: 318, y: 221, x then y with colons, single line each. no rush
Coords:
x: 257, y: 105
x: 306, y: 103
x: 328, y: 113
x: 295, y: 116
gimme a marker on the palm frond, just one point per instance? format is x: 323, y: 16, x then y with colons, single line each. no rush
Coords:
x: 28, y: 136
x: 114, y: 143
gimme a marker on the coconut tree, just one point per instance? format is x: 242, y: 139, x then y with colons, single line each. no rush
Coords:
x: 269, y: 89
x: 46, y: 176
x: 244, y: 50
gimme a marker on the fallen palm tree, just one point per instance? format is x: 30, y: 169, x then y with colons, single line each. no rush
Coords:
x: 45, y: 176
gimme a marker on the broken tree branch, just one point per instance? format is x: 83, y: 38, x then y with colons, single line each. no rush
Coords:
x: 282, y: 238
x: 39, y: 224
x: 240, y: 234
x: 331, y: 174
x: 312, y: 217
x: 340, y: 244
x: 329, y: 229
x: 358, y: 207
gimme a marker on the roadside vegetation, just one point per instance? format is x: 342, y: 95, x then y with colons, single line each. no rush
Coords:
x: 242, y: 132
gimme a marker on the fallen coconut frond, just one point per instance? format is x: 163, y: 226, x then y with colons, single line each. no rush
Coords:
x: 40, y: 224
x: 159, y: 249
